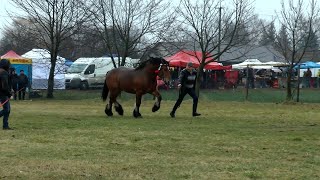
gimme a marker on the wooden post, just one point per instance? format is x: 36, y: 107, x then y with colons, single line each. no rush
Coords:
x: 247, y: 83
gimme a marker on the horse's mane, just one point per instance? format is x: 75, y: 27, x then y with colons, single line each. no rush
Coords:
x: 141, y: 65
x: 152, y: 60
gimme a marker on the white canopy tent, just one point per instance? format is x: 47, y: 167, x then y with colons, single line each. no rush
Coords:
x: 41, y: 68
x: 256, y: 64
x: 248, y: 62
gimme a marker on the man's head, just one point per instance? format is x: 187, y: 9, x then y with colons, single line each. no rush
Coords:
x: 5, y: 64
x: 21, y: 71
x: 189, y: 65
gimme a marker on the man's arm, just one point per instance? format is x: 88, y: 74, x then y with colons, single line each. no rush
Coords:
x: 181, y: 78
x: 5, y: 89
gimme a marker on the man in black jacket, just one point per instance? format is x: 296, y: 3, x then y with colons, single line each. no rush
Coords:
x: 5, y: 92
x: 186, y: 85
x: 14, y: 78
x: 22, y: 84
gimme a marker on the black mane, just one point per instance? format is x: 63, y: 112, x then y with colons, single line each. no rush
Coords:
x: 152, y: 60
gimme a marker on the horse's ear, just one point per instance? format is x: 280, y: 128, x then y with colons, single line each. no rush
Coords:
x: 163, y: 61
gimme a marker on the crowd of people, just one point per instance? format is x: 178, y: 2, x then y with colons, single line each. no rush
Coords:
x: 19, y: 84
x: 310, y: 80
x: 215, y: 79
x: 254, y: 78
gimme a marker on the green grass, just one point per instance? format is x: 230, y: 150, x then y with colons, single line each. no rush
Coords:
x: 73, y: 139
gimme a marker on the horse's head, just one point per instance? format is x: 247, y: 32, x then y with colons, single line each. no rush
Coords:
x: 164, y: 72
x: 163, y: 68
x: 159, y: 65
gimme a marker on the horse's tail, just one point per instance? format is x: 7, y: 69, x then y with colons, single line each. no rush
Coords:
x: 105, y: 91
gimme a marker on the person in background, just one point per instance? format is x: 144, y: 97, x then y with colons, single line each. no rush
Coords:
x: 5, y: 93
x: 308, y: 76
x: 318, y: 78
x: 186, y: 85
x: 14, y: 82
x: 250, y: 78
x: 22, y: 84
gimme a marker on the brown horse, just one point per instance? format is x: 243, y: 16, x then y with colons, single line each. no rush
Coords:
x: 138, y: 81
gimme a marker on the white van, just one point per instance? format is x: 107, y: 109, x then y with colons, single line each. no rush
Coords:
x: 87, y: 73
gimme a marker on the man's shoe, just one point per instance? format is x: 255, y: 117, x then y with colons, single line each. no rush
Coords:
x: 7, y: 128
x: 172, y: 114
x: 196, y: 114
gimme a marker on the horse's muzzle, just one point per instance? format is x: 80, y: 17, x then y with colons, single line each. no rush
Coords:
x: 166, y: 82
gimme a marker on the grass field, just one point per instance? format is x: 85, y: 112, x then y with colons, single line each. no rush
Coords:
x: 73, y: 139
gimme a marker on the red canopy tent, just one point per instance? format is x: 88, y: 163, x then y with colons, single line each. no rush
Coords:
x: 14, y: 58
x: 181, y: 58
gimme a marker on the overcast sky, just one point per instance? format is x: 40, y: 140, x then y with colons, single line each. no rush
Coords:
x: 264, y: 8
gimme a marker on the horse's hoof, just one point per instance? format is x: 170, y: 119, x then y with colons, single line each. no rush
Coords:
x: 119, y: 110
x: 136, y: 114
x: 155, y: 108
x: 108, y: 112
x: 139, y: 116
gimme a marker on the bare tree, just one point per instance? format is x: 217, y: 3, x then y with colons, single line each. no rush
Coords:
x: 268, y: 35
x: 124, y: 24
x: 298, y: 20
x: 214, y: 30
x: 18, y: 37
x: 22, y: 36
x: 55, y: 21
x: 86, y: 43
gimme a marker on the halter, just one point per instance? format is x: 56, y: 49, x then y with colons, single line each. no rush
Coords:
x: 156, y: 72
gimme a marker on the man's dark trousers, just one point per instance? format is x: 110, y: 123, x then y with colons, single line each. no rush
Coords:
x: 5, y: 112
x: 182, y: 94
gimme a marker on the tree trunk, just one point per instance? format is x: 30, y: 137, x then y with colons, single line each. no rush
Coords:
x: 123, y: 60
x: 289, y: 91
x: 113, y: 62
x: 199, y: 78
x: 51, y: 75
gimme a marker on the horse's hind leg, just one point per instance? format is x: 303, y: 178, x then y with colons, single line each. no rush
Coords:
x: 113, y: 100
x: 117, y: 105
x: 118, y: 108
x: 108, y: 109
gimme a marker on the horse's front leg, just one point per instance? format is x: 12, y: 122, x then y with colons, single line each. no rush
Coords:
x: 156, y: 105
x: 136, y: 112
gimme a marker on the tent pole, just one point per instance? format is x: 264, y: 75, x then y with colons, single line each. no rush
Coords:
x: 298, y: 86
